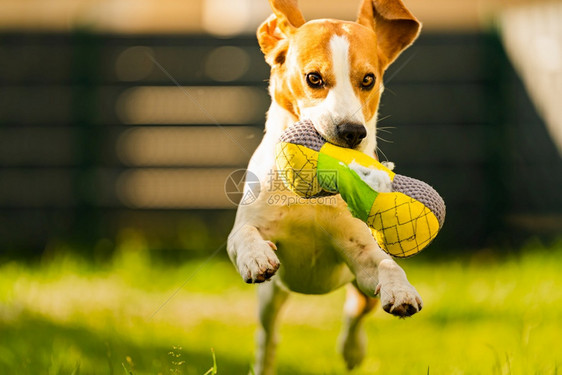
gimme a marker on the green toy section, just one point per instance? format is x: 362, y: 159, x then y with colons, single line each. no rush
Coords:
x: 352, y: 188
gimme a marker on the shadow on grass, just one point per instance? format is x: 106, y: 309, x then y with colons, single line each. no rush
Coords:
x: 32, y: 344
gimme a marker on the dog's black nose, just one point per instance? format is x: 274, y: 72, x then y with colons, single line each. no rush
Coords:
x: 351, y: 134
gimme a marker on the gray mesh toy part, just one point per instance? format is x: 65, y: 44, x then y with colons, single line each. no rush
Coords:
x: 303, y: 133
x: 421, y: 192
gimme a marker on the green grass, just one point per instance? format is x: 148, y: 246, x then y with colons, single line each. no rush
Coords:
x: 483, y: 314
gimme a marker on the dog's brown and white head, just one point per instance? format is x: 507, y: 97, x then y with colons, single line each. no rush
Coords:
x: 331, y: 71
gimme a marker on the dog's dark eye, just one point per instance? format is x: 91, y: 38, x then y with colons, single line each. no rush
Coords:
x: 314, y: 80
x: 368, y: 81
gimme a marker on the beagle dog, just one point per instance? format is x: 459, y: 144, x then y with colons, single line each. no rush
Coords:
x: 331, y: 73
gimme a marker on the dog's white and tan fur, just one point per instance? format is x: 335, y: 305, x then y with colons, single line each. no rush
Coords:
x: 330, y: 72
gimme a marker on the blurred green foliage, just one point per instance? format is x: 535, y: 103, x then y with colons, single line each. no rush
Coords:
x: 483, y: 314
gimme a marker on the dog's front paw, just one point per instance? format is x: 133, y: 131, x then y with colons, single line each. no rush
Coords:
x: 399, y: 300
x: 259, y: 263
x: 398, y: 296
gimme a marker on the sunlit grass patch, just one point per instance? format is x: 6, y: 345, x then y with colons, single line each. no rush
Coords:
x: 485, y: 314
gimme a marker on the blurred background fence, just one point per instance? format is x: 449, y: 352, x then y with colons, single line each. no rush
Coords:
x: 97, y: 138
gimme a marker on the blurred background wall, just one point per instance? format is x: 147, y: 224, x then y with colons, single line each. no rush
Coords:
x: 124, y: 115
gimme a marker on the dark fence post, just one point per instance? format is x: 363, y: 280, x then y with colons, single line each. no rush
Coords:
x: 496, y: 144
x: 85, y: 78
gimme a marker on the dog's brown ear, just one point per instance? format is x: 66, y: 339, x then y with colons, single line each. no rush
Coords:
x: 283, y: 23
x: 396, y: 28
x: 289, y: 16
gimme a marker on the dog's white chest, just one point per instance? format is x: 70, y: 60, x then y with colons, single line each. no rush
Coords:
x: 307, y: 236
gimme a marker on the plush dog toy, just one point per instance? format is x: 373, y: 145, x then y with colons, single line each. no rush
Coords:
x: 403, y: 220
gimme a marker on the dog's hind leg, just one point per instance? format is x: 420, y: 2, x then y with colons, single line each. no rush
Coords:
x: 352, y: 342
x: 271, y: 300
